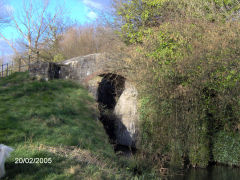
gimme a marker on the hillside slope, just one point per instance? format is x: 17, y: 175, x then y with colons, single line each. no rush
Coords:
x: 54, y: 119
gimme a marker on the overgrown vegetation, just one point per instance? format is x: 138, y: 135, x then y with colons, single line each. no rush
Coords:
x: 226, y: 148
x: 57, y: 119
x: 184, y: 59
x: 183, y: 56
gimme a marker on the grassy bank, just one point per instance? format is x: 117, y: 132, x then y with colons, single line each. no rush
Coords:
x: 56, y: 119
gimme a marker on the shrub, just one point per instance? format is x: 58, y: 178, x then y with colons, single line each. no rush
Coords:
x: 187, y: 72
x: 226, y: 148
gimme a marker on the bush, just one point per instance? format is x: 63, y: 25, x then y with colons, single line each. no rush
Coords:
x: 226, y: 148
x: 187, y: 70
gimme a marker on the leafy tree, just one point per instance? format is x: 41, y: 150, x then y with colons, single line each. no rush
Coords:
x: 136, y: 17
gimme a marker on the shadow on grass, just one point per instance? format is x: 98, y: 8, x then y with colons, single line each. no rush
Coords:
x: 15, y: 170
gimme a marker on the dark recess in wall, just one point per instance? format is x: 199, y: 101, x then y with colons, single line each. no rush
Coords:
x: 109, y: 90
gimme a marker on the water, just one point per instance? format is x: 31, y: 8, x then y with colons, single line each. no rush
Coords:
x: 215, y: 172
x: 211, y: 173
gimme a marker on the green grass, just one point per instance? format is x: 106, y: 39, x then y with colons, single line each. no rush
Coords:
x: 35, y: 115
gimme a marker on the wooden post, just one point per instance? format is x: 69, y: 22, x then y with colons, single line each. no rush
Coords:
x: 19, y: 67
x: 37, y: 56
x: 7, y: 69
x: 12, y: 67
x: 2, y: 70
x: 29, y: 61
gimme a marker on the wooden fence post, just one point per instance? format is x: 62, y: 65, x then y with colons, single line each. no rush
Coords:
x: 12, y: 67
x: 29, y: 60
x: 37, y: 56
x: 19, y: 67
x: 7, y: 69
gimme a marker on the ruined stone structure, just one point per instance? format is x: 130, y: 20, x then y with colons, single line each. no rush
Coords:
x: 116, y: 96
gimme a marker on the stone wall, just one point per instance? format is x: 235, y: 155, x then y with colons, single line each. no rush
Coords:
x: 86, y: 70
x: 48, y: 71
x: 89, y: 70
x: 126, y: 111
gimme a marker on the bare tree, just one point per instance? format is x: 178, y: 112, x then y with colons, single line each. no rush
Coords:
x: 33, y: 23
x: 49, y: 48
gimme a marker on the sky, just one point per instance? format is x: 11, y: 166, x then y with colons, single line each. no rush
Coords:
x: 80, y: 11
